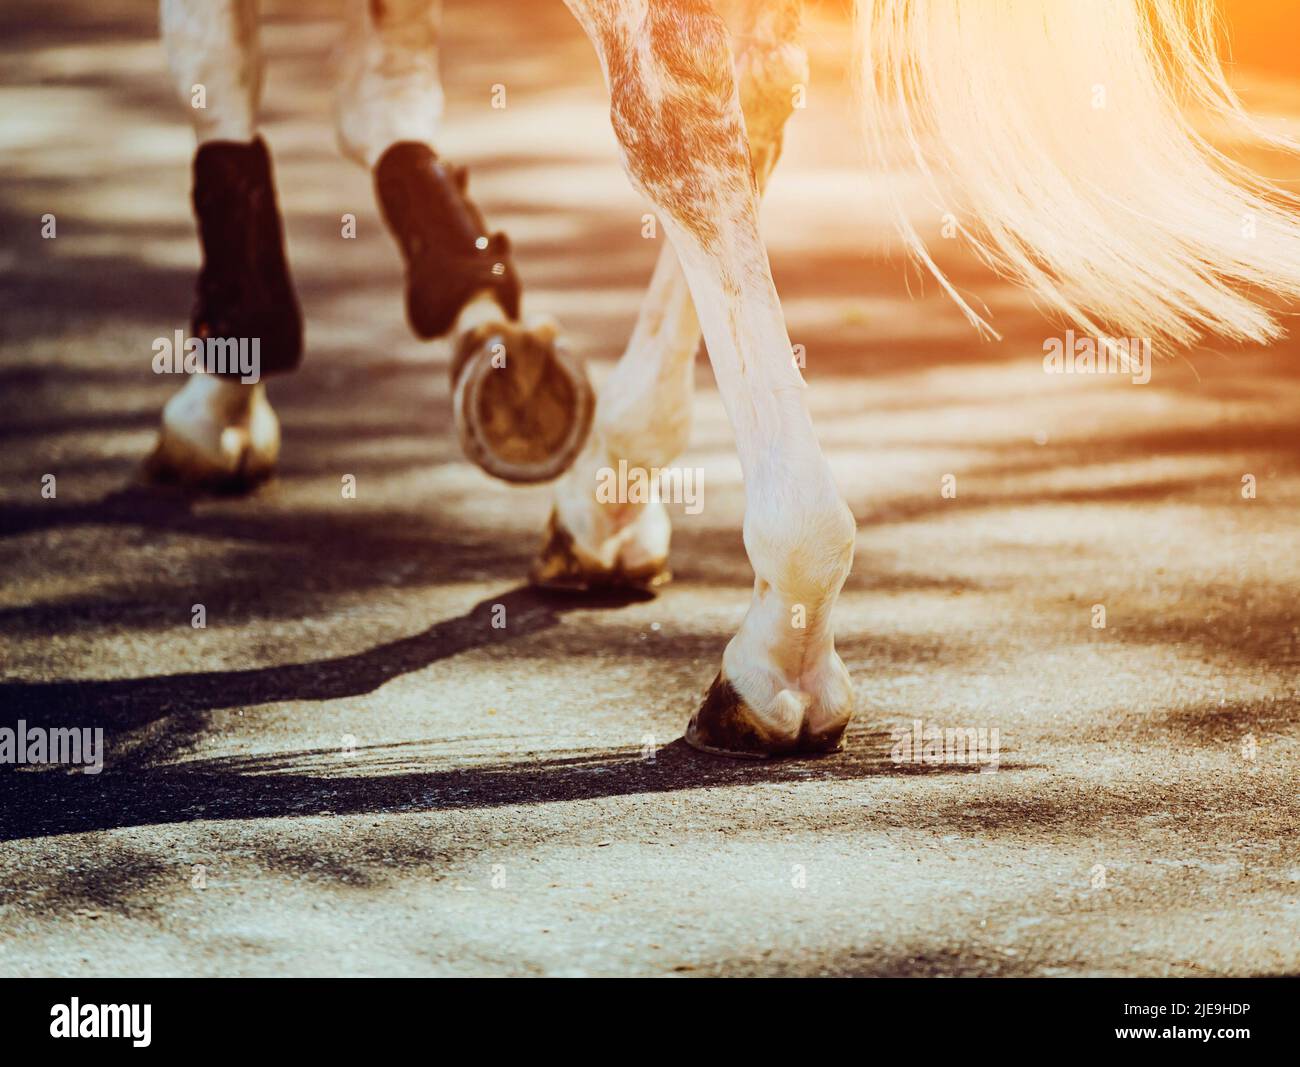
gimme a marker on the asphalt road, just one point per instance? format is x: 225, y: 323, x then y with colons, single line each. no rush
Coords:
x: 350, y: 770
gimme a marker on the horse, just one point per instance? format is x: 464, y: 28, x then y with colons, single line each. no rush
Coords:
x: 1056, y: 136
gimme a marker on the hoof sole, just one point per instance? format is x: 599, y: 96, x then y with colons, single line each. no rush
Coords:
x: 523, y: 404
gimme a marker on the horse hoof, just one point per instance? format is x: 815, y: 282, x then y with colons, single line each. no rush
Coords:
x: 216, y: 436
x: 824, y: 744
x: 175, y: 463
x: 725, y: 725
x: 523, y: 404
x: 561, y: 568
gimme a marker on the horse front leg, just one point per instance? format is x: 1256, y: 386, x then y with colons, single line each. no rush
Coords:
x: 677, y: 115
x: 522, y: 404
x: 219, y: 430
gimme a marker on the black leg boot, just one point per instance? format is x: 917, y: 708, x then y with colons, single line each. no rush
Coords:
x: 218, y: 433
x: 450, y: 256
x: 244, y: 289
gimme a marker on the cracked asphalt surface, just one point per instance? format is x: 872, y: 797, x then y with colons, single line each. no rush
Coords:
x: 350, y: 770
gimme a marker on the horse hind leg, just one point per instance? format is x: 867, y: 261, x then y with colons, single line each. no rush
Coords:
x: 643, y: 413
x: 676, y: 113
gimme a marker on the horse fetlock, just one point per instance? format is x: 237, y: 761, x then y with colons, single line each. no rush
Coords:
x: 783, y: 688
x: 802, y: 548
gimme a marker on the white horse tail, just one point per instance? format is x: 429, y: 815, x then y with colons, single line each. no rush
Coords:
x: 1058, y: 134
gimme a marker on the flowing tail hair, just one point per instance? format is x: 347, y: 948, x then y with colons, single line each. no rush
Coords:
x: 1057, y: 133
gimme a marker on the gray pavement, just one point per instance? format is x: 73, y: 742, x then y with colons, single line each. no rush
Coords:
x: 351, y: 771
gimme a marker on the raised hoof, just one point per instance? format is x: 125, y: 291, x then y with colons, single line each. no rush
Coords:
x: 523, y: 405
x: 560, y: 568
x: 725, y: 725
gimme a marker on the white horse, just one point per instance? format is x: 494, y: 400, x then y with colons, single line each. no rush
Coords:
x: 1054, y: 132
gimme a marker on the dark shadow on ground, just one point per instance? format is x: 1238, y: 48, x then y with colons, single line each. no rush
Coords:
x: 52, y: 802
x: 124, y: 704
